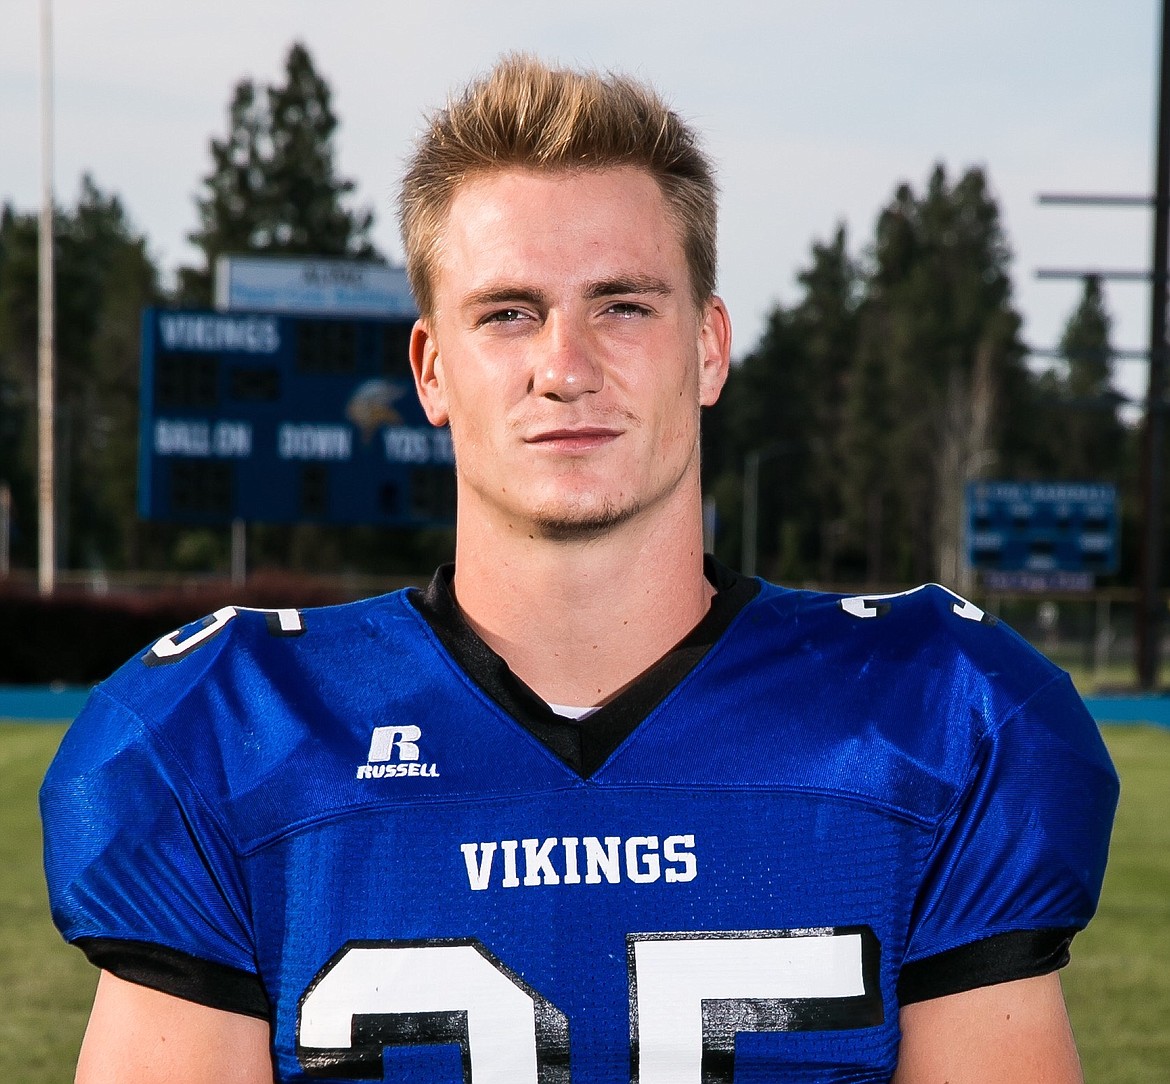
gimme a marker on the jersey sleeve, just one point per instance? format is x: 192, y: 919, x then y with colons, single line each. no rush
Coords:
x: 1017, y: 864
x: 141, y: 875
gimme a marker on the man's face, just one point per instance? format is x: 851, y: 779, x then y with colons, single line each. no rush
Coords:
x: 567, y: 352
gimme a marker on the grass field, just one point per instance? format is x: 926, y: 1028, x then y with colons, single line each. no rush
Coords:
x: 45, y: 987
x: 1118, y: 985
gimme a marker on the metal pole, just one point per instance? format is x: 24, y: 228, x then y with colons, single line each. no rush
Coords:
x: 5, y: 528
x: 710, y: 523
x: 751, y: 506
x: 239, y: 552
x: 47, y: 521
x: 1149, y: 608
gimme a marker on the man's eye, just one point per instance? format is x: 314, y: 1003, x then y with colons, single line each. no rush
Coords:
x: 628, y: 308
x: 503, y: 316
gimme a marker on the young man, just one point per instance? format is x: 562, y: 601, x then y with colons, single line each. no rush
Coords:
x: 587, y: 809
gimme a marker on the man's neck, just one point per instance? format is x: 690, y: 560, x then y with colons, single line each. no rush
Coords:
x: 576, y: 621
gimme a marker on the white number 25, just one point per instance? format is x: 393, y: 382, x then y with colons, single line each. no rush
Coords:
x: 690, y: 995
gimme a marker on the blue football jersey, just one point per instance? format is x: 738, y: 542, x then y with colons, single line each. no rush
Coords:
x: 356, y: 823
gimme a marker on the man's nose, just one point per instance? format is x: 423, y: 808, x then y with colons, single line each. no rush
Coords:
x: 566, y: 366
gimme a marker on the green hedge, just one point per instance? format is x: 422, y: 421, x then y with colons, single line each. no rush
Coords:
x: 80, y: 638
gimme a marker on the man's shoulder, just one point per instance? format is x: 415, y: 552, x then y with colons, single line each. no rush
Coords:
x: 924, y: 631
x: 240, y: 683
x: 250, y: 650
x: 237, y: 709
x: 861, y: 689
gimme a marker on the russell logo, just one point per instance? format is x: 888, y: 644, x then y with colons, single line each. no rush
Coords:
x: 394, y: 753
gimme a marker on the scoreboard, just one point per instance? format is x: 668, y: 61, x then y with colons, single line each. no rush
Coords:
x: 1042, y: 527
x: 280, y: 418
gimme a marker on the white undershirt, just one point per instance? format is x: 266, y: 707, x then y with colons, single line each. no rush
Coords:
x: 570, y: 712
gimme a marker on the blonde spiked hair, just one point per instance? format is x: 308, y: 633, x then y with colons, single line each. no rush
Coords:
x: 524, y: 114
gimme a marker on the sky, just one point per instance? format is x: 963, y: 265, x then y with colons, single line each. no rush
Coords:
x: 814, y: 113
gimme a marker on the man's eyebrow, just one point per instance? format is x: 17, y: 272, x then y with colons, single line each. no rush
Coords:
x: 632, y: 284
x: 503, y: 294
x: 509, y: 293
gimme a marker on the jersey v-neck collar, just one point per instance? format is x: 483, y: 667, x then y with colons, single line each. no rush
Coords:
x: 586, y: 745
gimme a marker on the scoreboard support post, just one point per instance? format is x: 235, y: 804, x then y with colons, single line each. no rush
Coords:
x: 239, y: 552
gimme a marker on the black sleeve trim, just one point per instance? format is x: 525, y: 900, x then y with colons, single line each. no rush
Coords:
x: 1003, y: 957
x: 179, y: 974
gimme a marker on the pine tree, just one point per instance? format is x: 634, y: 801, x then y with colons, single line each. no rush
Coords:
x: 274, y: 189
x: 941, y: 337
x: 274, y: 186
x: 104, y: 277
x: 105, y: 488
x: 826, y: 317
x: 1091, y: 435
x: 783, y: 402
x: 18, y: 359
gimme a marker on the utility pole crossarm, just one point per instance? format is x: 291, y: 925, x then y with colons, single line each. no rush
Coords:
x: 1120, y: 274
x: 1096, y: 200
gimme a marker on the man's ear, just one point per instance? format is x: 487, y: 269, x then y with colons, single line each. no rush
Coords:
x: 427, y: 366
x: 714, y: 350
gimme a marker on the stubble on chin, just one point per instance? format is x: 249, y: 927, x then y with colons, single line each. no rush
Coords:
x: 559, y: 524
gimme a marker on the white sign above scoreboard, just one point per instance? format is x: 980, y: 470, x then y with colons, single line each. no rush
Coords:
x: 316, y: 287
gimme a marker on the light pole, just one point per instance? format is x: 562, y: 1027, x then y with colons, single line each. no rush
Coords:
x: 751, y: 502
x: 46, y: 517
x: 5, y: 528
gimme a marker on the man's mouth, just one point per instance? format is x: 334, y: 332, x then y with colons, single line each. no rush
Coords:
x: 578, y: 438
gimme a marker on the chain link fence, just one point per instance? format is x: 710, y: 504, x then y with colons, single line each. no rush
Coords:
x: 1090, y: 634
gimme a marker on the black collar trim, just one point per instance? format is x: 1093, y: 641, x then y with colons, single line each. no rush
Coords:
x: 585, y: 745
